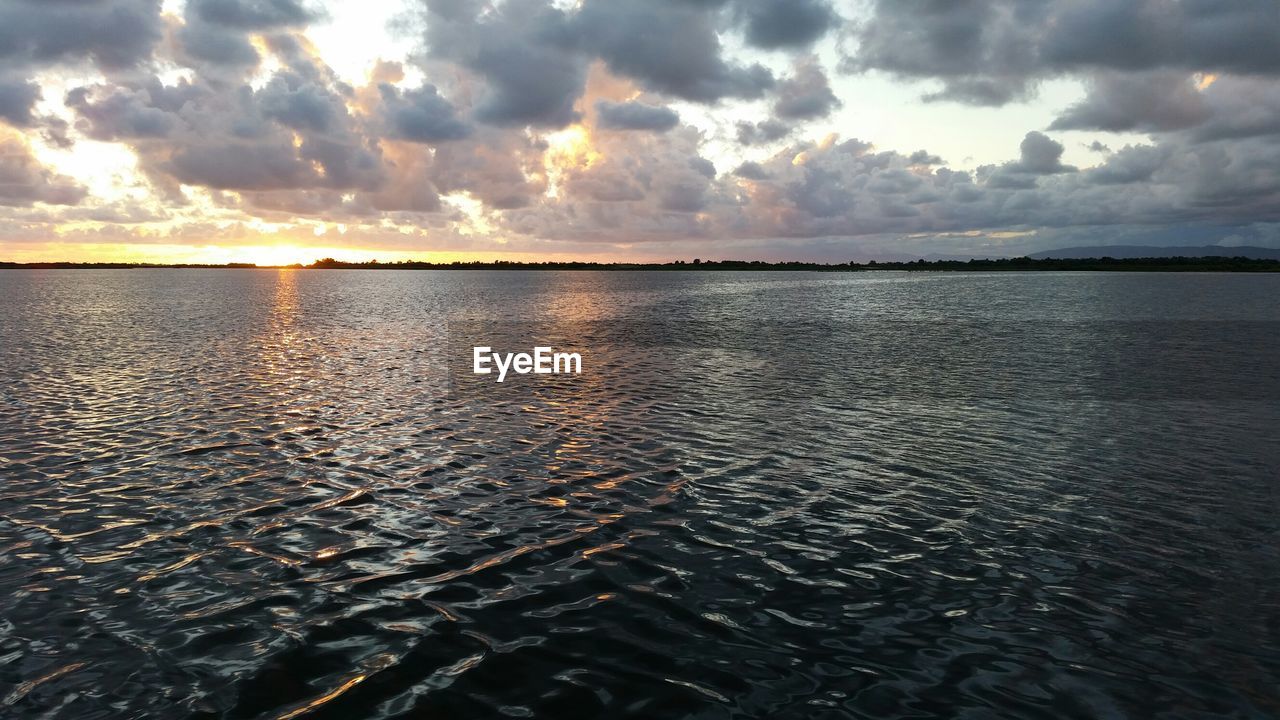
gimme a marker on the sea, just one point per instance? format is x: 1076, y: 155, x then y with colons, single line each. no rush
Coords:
x: 286, y: 493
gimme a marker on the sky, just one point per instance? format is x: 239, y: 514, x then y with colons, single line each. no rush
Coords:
x: 282, y: 131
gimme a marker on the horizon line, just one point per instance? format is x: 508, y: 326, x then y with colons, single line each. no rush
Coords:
x: 1155, y: 262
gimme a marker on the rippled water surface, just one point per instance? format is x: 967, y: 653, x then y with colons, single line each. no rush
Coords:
x: 242, y: 494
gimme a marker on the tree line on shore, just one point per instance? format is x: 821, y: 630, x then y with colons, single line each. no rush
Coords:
x: 1152, y: 264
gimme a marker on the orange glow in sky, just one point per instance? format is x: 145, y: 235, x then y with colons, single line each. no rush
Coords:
x: 261, y: 255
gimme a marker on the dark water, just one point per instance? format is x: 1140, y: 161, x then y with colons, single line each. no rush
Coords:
x: 273, y: 494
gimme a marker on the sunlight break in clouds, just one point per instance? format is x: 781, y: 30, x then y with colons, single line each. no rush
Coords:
x: 285, y: 130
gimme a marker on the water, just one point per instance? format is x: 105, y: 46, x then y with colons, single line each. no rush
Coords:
x: 243, y: 494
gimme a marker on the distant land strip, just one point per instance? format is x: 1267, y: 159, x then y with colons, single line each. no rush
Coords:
x: 1151, y: 264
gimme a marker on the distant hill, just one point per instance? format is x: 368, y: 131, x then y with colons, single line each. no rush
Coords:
x: 1151, y: 251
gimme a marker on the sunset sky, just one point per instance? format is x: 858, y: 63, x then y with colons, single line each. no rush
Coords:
x: 280, y: 131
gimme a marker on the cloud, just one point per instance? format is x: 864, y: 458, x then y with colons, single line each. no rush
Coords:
x: 774, y: 24
x: 294, y: 133
x: 669, y: 48
x: 1240, y: 107
x: 229, y: 165
x: 1151, y: 34
x: 492, y: 166
x: 420, y: 115
x: 24, y: 181
x: 217, y: 32
x: 924, y: 157
x: 519, y: 51
x: 991, y: 52
x: 633, y: 187
x: 1038, y: 155
x: 217, y: 46
x: 17, y: 101
x: 847, y: 189
x: 131, y: 111
x: 555, y: 124
x: 806, y: 95
x: 1130, y: 164
x: 113, y: 34
x: 299, y: 104
x: 1203, y: 108
x: 253, y: 14
x: 635, y: 116
x: 983, y: 51
x: 762, y: 132
x: 1147, y: 102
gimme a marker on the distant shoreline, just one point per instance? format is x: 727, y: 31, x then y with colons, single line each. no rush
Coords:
x: 1154, y: 264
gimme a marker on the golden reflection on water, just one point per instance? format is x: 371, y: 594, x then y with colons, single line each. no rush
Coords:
x: 277, y: 329
x: 282, y: 324
x: 587, y: 405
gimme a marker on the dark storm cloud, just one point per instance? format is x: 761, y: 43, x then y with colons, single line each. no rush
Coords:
x: 296, y: 103
x: 249, y: 157
x: 707, y: 4
x: 1232, y: 107
x: 763, y: 132
x: 980, y: 49
x: 846, y: 189
x: 293, y: 135
x: 531, y: 86
x: 805, y: 95
x: 217, y: 46
x: 1240, y: 107
x: 1131, y: 164
x: 685, y: 197
x: 670, y: 48
x: 217, y: 32
x: 17, y: 101
x: 532, y: 57
x: 982, y: 91
x: 774, y: 24
x: 421, y: 115
x: 1038, y: 155
x: 519, y: 50
x: 990, y: 52
x: 258, y: 155
x: 1236, y: 36
x: 114, y: 34
x: 287, y: 138
x: 229, y: 165
x: 140, y: 109
x: 120, y: 113
x: 253, y: 14
x: 635, y: 116
x: 1147, y: 102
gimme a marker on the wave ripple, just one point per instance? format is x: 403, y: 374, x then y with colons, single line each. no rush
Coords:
x: 256, y: 494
